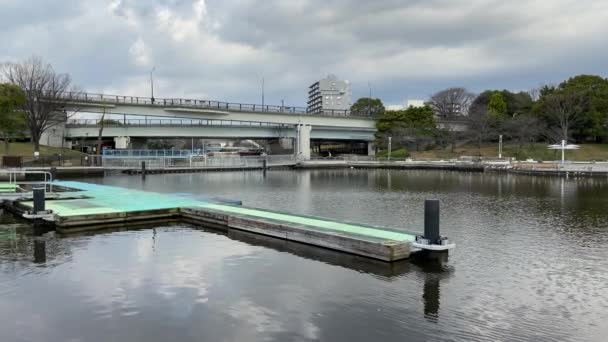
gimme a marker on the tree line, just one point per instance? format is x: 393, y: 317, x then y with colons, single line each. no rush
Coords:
x: 575, y: 110
x: 31, y: 99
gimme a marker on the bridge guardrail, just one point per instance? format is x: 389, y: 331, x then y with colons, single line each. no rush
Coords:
x: 147, y: 122
x: 202, y: 104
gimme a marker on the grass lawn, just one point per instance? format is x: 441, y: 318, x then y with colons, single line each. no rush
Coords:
x: 587, y: 152
x: 26, y: 150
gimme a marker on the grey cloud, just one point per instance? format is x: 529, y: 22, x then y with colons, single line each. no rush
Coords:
x: 404, y: 48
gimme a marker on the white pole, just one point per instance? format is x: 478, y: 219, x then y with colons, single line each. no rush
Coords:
x: 390, y: 145
x: 563, y: 150
x: 500, y: 146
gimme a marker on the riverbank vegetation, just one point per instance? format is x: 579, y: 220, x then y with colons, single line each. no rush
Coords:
x: 26, y: 150
x: 576, y: 111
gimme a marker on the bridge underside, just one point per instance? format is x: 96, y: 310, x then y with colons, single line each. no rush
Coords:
x: 247, y: 132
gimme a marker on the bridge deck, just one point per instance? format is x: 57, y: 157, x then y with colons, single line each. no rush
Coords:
x: 97, y: 205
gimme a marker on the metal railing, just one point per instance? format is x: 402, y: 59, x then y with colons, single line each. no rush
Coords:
x: 148, y: 122
x: 202, y: 104
x: 14, y: 175
x: 147, y: 153
x: 62, y: 160
x: 197, y: 161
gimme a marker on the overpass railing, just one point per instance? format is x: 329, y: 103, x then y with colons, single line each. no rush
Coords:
x: 202, y: 104
x: 148, y: 122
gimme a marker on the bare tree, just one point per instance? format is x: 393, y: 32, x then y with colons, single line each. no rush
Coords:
x: 563, y: 111
x: 45, y: 94
x: 483, y: 127
x: 534, y: 93
x: 451, y: 103
x: 524, y: 129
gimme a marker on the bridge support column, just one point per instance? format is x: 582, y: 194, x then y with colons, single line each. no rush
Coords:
x: 121, y: 142
x: 303, y: 152
x: 371, y: 149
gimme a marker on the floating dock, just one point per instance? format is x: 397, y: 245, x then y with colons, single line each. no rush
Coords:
x: 86, y: 207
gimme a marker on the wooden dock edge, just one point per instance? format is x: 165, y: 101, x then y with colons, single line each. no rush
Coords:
x: 385, y: 251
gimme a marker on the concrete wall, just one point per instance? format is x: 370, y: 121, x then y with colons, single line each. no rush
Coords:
x: 53, y: 136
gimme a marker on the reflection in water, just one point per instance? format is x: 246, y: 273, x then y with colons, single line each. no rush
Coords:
x: 39, y: 251
x: 531, y: 263
x: 433, y: 266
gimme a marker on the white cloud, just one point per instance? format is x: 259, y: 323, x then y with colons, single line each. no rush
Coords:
x: 140, y: 53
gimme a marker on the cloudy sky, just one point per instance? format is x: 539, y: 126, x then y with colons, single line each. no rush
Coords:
x: 220, y: 49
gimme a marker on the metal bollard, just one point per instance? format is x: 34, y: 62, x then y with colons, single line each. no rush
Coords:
x: 38, y: 192
x: 431, y: 221
x: 264, y: 164
x: 143, y: 167
x: 53, y: 173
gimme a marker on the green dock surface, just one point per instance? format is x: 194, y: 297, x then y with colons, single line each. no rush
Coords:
x: 101, y: 199
x: 8, y: 187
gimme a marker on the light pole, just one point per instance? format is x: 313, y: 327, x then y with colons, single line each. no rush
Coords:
x: 369, y: 99
x: 152, y: 84
x: 500, y: 146
x: 262, y: 93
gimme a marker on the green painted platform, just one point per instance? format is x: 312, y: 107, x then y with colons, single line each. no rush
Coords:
x: 96, y: 203
x: 8, y: 187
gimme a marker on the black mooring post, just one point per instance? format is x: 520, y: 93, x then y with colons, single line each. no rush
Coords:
x: 143, y: 167
x: 264, y: 164
x: 38, y: 193
x: 53, y: 173
x: 431, y: 221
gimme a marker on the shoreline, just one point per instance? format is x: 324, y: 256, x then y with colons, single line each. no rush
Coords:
x: 571, y: 169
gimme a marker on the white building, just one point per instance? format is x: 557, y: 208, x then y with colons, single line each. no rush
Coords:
x: 329, y: 94
x: 414, y: 103
x: 406, y: 104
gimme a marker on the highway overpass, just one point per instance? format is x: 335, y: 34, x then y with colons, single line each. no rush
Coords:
x: 173, y: 117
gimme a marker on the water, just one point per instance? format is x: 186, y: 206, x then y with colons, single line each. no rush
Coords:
x: 530, y: 265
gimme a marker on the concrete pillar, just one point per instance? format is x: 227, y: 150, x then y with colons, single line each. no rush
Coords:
x: 371, y: 149
x: 286, y: 143
x: 304, y: 142
x: 122, y: 142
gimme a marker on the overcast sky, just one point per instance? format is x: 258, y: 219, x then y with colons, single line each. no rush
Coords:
x: 221, y: 49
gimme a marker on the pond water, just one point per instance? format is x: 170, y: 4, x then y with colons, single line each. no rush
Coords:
x: 530, y: 264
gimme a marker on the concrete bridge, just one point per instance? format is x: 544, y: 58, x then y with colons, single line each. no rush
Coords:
x: 173, y: 117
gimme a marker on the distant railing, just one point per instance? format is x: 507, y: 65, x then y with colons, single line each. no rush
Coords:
x: 148, y: 153
x: 202, y: 104
x: 147, y: 122
x: 195, y: 161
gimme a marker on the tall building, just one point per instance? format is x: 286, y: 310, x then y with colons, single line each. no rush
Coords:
x: 329, y: 94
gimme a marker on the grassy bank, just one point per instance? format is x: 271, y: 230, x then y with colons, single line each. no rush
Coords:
x: 588, y: 152
x: 26, y: 150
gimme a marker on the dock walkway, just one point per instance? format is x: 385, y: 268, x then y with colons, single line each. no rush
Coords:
x: 91, y: 206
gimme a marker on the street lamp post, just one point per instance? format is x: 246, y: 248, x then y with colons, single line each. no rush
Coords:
x: 152, y: 84
x: 369, y: 99
x: 500, y: 146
